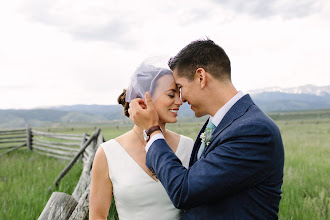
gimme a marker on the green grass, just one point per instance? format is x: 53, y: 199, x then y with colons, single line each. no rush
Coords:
x: 306, y: 187
x: 26, y: 176
x: 24, y: 179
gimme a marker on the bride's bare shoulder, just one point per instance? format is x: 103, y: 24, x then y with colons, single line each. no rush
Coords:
x: 124, y: 138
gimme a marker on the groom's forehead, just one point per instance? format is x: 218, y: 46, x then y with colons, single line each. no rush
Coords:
x: 176, y: 75
x: 175, y: 72
x: 179, y: 79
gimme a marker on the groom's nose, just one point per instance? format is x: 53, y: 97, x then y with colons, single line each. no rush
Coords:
x: 181, y: 96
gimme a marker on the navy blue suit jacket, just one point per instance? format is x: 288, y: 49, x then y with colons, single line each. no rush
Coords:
x: 238, y: 177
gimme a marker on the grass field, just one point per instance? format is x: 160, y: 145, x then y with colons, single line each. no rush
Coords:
x: 306, y: 188
x: 24, y: 179
x: 25, y: 176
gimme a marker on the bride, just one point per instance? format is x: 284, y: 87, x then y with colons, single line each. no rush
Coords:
x: 119, y: 164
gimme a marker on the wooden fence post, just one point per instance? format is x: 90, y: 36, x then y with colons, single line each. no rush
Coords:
x: 28, y: 137
x: 83, y: 140
x: 59, y: 206
x: 82, y: 207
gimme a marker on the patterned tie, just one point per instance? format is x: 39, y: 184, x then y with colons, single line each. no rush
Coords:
x: 211, y: 126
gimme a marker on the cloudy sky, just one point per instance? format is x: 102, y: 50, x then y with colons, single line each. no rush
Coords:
x: 65, y: 52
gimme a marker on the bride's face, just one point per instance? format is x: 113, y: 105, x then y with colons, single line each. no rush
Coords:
x: 167, y: 105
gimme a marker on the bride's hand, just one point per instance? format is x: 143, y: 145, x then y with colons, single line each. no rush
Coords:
x: 143, y: 114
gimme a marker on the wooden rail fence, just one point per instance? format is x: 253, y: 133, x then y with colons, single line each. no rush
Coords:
x: 63, y: 146
x: 58, y: 145
x: 63, y: 206
x: 11, y: 140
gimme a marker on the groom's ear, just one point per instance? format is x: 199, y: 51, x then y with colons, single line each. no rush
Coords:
x: 201, y: 76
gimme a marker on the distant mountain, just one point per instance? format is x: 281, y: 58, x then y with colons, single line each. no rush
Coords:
x: 306, y: 97
x: 306, y: 89
x: 71, y: 115
x: 74, y: 115
x: 108, y: 112
x: 44, y: 117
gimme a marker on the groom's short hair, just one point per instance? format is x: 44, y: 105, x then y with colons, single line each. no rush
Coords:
x: 201, y: 54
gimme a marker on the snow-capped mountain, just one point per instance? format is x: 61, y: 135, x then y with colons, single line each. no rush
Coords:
x: 308, y: 97
x: 306, y: 89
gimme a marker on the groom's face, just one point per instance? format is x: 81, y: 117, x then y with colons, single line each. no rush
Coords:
x: 190, y: 93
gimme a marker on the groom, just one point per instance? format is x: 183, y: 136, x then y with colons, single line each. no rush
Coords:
x: 236, y: 167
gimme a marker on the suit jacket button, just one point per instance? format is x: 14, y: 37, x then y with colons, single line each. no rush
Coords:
x: 185, y: 210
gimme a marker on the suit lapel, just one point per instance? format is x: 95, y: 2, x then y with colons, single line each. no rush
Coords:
x: 197, y: 144
x: 235, y: 112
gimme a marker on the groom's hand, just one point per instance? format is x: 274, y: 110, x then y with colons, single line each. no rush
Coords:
x: 143, y: 114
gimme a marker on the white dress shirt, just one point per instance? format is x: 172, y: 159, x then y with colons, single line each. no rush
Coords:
x: 216, y: 119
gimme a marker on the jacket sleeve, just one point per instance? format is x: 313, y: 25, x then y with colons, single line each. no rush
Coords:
x: 236, y: 162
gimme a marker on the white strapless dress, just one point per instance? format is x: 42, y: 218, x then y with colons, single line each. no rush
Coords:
x: 137, y: 195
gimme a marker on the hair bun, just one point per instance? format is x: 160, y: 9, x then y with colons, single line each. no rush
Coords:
x: 121, y: 100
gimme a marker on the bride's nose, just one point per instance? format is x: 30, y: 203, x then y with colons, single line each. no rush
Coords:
x: 177, y: 100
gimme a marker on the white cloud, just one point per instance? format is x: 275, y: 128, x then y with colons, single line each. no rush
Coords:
x: 83, y: 52
x: 286, y: 9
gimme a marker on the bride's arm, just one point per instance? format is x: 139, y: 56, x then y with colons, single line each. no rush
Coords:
x: 101, y: 187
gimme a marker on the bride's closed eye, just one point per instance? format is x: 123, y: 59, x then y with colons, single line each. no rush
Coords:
x: 171, y: 93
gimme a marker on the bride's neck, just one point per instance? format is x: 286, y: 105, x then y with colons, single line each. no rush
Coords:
x: 140, y: 130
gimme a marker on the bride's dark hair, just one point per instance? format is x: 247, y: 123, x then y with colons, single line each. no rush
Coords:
x: 121, y: 100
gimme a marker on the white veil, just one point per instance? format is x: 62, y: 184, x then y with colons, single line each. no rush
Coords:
x: 150, y: 76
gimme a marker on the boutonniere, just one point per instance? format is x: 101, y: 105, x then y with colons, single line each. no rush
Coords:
x: 206, y: 136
